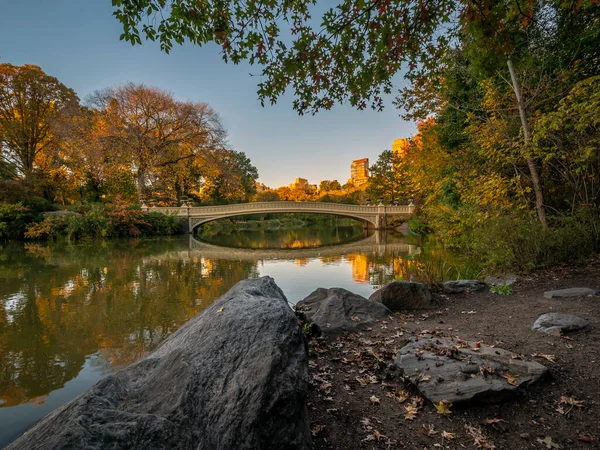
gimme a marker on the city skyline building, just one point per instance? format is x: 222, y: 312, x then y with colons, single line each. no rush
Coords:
x: 359, y: 172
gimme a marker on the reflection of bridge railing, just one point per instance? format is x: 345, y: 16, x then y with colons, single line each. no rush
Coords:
x: 197, y: 215
x: 373, y: 244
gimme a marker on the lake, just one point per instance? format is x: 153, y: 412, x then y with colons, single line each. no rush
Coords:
x: 73, y: 313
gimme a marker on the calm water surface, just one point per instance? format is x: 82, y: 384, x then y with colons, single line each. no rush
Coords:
x: 70, y: 314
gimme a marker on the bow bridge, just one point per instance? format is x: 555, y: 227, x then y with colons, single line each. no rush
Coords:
x: 375, y: 217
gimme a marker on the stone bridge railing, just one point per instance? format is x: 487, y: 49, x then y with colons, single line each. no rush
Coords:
x: 376, y: 216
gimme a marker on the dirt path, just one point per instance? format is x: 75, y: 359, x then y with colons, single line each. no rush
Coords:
x: 357, y: 399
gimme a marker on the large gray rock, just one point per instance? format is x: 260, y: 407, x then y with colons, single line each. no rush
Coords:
x: 337, y: 310
x: 405, y: 296
x: 458, y: 372
x: 233, y: 377
x: 460, y: 286
x: 571, y: 292
x: 557, y: 323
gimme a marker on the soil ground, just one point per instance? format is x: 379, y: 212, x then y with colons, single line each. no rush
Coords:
x: 357, y: 400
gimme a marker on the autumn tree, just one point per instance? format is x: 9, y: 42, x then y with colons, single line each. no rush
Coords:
x: 147, y: 130
x: 328, y: 185
x: 32, y: 103
x: 389, y: 178
x: 231, y: 178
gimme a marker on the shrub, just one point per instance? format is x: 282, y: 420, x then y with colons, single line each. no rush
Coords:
x: 14, y: 220
x: 160, y: 224
x: 518, y: 242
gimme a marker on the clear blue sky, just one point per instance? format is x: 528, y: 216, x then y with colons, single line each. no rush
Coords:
x: 77, y: 41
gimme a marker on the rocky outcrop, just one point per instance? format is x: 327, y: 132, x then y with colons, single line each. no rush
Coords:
x: 337, y: 310
x: 571, y: 292
x: 460, y: 286
x: 405, y: 296
x: 462, y: 372
x: 233, y: 377
x: 558, y: 323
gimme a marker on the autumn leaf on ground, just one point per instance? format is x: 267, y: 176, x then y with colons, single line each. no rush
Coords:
x: 423, y: 377
x: 427, y: 430
x: 509, y: 379
x: 411, y: 412
x: 448, y: 435
x: 547, y: 441
x: 478, y: 437
x: 374, y: 400
x: 401, y: 395
x: 375, y: 436
x: 496, y: 424
x: 220, y: 310
x: 443, y: 407
x: 550, y: 358
x: 571, y: 401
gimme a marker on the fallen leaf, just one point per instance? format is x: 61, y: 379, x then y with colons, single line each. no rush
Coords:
x: 571, y: 401
x: 447, y: 435
x: 547, y: 441
x: 427, y: 430
x: 221, y: 309
x: 443, y: 407
x: 550, y: 358
x: 374, y: 400
x: 584, y: 438
x: 411, y: 412
x: 423, y: 378
x: 478, y: 437
x: 496, y: 424
x: 401, y: 395
x: 509, y: 379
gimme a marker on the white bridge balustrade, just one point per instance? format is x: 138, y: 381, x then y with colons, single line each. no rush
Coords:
x: 376, y: 217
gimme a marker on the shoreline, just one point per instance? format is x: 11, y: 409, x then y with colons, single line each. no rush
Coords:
x: 358, y: 400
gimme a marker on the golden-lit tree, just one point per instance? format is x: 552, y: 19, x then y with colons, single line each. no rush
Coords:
x: 32, y: 104
x: 147, y: 129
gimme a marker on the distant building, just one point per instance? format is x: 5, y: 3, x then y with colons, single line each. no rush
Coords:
x: 300, y: 183
x: 359, y: 172
x: 399, y: 146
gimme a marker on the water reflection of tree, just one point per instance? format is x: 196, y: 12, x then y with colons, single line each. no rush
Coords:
x: 120, y: 298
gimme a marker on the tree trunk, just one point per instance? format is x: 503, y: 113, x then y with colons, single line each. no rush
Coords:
x: 535, y: 178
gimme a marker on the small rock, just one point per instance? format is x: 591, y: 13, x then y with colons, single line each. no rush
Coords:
x: 571, y: 292
x: 507, y: 279
x: 470, y: 373
x: 460, y: 286
x: 405, y: 296
x: 557, y: 323
x: 337, y: 310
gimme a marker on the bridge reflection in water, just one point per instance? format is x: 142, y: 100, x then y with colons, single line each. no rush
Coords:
x: 377, y: 243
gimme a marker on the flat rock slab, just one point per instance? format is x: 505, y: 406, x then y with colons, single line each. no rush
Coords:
x: 233, y: 377
x: 571, y: 292
x: 337, y: 310
x: 460, y: 286
x: 558, y: 323
x: 457, y: 372
x: 405, y: 296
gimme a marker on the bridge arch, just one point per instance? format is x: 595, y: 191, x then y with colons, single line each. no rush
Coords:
x: 375, y: 216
